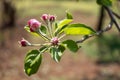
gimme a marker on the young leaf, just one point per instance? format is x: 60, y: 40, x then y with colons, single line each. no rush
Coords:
x: 69, y: 16
x: 43, y: 49
x: 62, y: 24
x: 71, y: 45
x: 32, y: 62
x: 61, y: 48
x: 28, y: 30
x: 56, y: 53
x: 104, y: 2
x: 60, y: 30
x: 78, y: 29
x: 56, y: 25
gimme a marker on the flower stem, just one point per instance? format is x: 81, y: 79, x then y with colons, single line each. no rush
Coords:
x: 43, y: 35
x: 62, y: 36
x: 36, y: 45
x: 46, y: 44
x: 50, y: 29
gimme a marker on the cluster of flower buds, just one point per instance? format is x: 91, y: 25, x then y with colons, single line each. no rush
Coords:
x: 46, y: 18
x: 34, y: 26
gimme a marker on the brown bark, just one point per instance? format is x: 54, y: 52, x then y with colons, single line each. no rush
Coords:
x: 8, y: 14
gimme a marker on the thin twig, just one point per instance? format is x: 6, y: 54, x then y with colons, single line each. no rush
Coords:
x: 97, y: 33
x: 118, y: 16
x: 84, y: 38
x: 101, y: 19
x: 62, y: 36
x: 106, y: 29
x: 112, y: 17
x: 111, y: 14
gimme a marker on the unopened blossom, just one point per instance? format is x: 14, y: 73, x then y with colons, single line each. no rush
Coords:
x: 34, y: 25
x: 24, y: 43
x: 44, y: 17
x: 51, y: 18
x: 55, y: 41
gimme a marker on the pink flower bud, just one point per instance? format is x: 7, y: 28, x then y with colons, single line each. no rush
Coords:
x: 54, y: 41
x: 44, y: 17
x: 51, y: 18
x: 29, y: 22
x: 24, y: 43
x: 34, y: 25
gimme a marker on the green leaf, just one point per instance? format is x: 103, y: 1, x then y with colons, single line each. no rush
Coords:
x: 43, y: 29
x: 71, y: 45
x: 56, y: 25
x: 69, y: 16
x: 56, y: 52
x: 60, y: 30
x: 104, y: 2
x: 32, y: 62
x: 61, y: 48
x: 27, y: 28
x: 78, y: 29
x: 62, y: 24
x: 43, y: 49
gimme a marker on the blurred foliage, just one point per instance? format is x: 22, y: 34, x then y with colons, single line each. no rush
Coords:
x: 105, y: 49
x: 104, y: 2
x: 116, y: 6
x: 38, y: 7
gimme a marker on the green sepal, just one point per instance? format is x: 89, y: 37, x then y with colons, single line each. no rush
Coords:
x: 27, y: 28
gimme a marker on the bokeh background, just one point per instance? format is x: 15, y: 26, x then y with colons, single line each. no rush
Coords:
x: 98, y: 59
